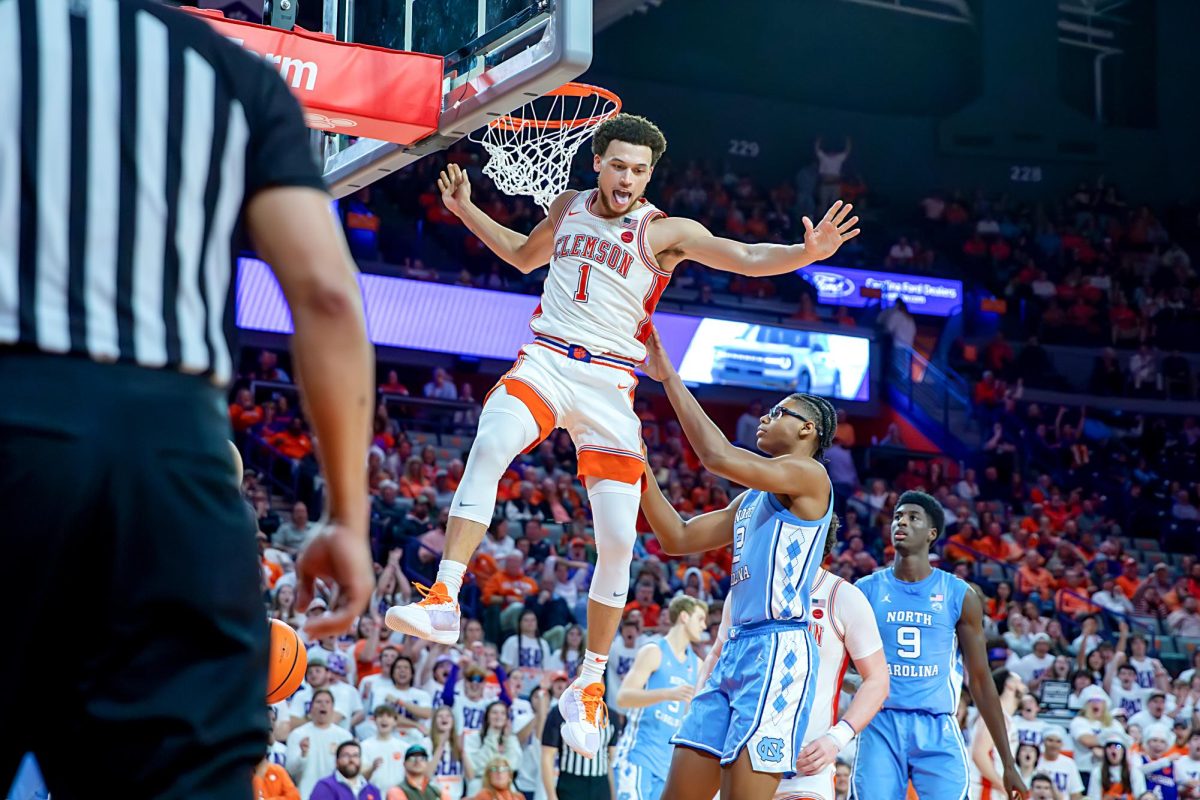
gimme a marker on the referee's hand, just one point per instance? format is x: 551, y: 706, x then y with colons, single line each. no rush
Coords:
x: 337, y: 555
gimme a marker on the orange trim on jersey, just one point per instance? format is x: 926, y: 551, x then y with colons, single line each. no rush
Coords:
x: 648, y: 257
x: 649, y: 303
x: 539, y: 406
x: 617, y: 465
x: 837, y: 688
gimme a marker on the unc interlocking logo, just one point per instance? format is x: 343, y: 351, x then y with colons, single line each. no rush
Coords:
x: 770, y: 749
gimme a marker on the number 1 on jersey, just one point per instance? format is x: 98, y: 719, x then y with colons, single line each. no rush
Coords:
x: 581, y: 295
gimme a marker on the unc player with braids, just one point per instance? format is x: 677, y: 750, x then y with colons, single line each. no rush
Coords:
x: 931, y: 622
x: 611, y: 254
x: 844, y: 628
x: 754, y: 709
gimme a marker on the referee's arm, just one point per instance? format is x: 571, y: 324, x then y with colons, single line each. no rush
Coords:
x: 291, y: 225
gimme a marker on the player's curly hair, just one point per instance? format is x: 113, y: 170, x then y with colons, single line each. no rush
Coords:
x: 933, y: 508
x: 821, y: 412
x: 632, y: 129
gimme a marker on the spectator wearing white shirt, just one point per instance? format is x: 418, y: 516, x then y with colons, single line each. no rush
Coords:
x: 1124, y: 691
x: 1061, y: 769
x: 293, y: 534
x: 1111, y: 598
x: 747, y: 425
x: 312, y: 747
x: 1185, y: 621
x: 1112, y: 774
x: 345, y: 698
x: 498, y: 543
x: 526, y: 650
x: 1093, y: 720
x: 1033, y: 666
x: 413, y: 706
x: 1154, y: 713
x: 967, y: 488
x: 1088, y: 639
x: 383, y: 753
x: 1030, y: 729
x: 829, y: 170
x: 898, y: 324
x: 495, y: 739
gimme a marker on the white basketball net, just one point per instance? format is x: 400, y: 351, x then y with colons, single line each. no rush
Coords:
x: 527, y: 157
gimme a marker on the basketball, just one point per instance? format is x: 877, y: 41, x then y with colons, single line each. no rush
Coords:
x: 287, y: 663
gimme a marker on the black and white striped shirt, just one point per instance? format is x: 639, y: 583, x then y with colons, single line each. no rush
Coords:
x: 570, y: 762
x: 137, y: 135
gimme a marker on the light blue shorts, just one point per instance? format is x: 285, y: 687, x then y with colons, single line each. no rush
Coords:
x: 759, y: 696
x: 899, y: 746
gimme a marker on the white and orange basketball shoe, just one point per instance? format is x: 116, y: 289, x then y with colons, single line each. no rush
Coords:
x: 584, y: 717
x: 435, y: 618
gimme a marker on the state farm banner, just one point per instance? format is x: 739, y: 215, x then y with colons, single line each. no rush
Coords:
x: 347, y: 88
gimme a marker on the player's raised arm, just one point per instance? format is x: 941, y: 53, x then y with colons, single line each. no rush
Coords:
x: 526, y: 253
x: 688, y: 239
x: 787, y: 474
x: 983, y: 690
x: 678, y: 536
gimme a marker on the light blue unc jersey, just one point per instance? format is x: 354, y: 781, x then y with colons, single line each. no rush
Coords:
x: 775, y: 560
x: 918, y: 624
x: 646, y: 741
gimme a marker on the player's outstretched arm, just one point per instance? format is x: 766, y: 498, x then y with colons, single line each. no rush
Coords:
x: 526, y: 253
x: 788, y: 475
x: 983, y: 690
x: 689, y: 239
x: 680, y: 537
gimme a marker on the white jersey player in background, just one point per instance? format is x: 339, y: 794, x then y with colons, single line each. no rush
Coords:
x: 985, y: 768
x: 611, y: 254
x: 844, y: 627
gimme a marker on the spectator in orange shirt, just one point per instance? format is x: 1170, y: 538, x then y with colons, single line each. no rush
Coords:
x: 1073, y: 599
x: 956, y: 545
x: 1033, y: 577
x: 643, y: 601
x: 511, y: 585
x: 844, y: 433
x: 413, y: 482
x: 243, y: 412
x: 293, y: 443
x: 1129, y: 580
x: 271, y: 780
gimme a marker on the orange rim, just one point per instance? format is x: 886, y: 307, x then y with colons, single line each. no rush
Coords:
x: 511, y: 122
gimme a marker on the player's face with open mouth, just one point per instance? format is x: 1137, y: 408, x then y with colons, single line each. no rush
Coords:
x: 623, y: 172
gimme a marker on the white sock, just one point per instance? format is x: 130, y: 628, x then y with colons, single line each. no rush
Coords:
x: 451, y: 574
x: 593, y: 668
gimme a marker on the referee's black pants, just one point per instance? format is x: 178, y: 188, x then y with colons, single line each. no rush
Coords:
x: 578, y: 787
x: 136, y: 661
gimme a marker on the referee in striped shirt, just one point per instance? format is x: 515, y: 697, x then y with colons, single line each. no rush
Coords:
x: 140, y: 144
x: 577, y: 778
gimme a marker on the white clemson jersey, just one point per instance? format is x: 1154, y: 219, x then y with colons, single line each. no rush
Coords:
x: 604, y: 282
x: 844, y: 627
x: 981, y: 788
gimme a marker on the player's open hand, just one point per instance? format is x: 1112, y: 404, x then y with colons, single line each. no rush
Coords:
x: 455, y: 188
x: 1014, y: 787
x: 658, y: 364
x: 834, y: 229
x: 817, y: 755
x: 336, y: 554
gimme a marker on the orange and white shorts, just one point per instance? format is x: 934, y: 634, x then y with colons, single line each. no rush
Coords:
x: 588, y: 394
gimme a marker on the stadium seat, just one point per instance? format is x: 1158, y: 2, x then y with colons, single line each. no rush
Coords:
x: 1145, y: 622
x: 1188, y: 645
x: 1165, y: 645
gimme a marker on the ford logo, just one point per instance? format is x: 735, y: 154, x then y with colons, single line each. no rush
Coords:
x: 831, y: 284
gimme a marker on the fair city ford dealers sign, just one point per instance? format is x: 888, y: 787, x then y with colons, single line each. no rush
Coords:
x: 840, y: 286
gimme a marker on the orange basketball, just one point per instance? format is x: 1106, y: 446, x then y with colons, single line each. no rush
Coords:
x: 287, y: 662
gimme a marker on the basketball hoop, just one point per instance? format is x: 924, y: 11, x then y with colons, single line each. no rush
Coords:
x: 530, y: 150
